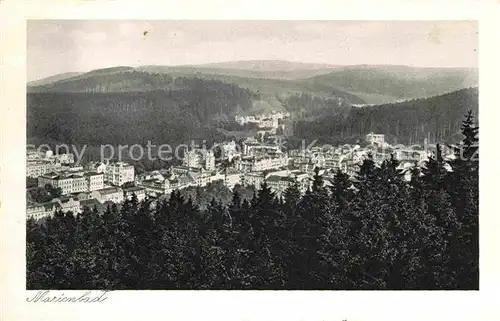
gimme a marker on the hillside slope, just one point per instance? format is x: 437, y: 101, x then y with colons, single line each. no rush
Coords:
x: 277, y: 80
x: 125, y: 79
x: 437, y: 118
x: 165, y: 116
x: 52, y: 79
x: 378, y: 84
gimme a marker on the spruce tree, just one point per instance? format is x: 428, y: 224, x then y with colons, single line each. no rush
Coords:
x: 464, y: 191
x: 434, y: 172
x: 291, y: 197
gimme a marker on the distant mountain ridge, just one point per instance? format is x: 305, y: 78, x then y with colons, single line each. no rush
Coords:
x: 161, y: 78
x: 360, y: 84
x: 52, y: 79
x: 397, y: 82
x: 265, y: 65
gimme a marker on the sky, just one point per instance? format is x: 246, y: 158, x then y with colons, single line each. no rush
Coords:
x: 59, y: 46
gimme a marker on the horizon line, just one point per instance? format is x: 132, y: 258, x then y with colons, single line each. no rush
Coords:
x: 207, y: 65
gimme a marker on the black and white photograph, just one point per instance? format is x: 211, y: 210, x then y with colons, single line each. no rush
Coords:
x: 252, y: 155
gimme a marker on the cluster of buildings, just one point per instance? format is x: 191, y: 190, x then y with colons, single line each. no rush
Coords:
x: 348, y: 158
x: 40, y: 162
x: 250, y: 163
x: 94, y: 184
x: 271, y: 121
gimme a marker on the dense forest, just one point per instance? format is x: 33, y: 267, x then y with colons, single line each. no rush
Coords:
x: 304, y: 106
x: 397, y: 82
x: 217, y: 192
x: 179, y: 113
x: 376, y: 231
x: 436, y: 118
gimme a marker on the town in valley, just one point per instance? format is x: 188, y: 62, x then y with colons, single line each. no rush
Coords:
x: 252, y: 155
x: 253, y: 161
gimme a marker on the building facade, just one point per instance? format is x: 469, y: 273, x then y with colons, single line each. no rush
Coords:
x: 154, y: 187
x: 139, y: 192
x: 119, y: 173
x: 257, y: 164
x: 72, y: 183
x: 111, y: 194
x: 94, y: 181
x: 39, y: 211
x: 198, y: 158
x: 36, y: 168
x: 375, y: 138
x: 253, y: 179
x: 232, y: 179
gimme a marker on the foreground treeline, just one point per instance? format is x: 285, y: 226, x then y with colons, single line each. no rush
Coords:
x: 376, y: 232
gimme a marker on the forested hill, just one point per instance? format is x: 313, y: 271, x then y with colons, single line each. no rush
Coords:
x: 181, y: 113
x: 358, y: 84
x: 52, y: 79
x: 437, y: 118
x: 142, y: 79
x: 117, y: 79
x: 381, y: 84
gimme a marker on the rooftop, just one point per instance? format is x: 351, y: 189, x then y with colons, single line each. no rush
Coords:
x: 133, y: 189
x: 92, y: 174
x: 90, y: 203
x: 109, y: 190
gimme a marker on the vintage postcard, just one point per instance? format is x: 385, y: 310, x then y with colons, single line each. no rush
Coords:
x: 289, y: 164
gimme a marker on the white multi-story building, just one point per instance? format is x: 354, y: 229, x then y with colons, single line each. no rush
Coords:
x: 242, y: 120
x: 199, y: 158
x: 279, y: 184
x: 39, y: 211
x: 411, y: 155
x: 119, y: 173
x: 256, y: 149
x: 78, y: 184
x: 257, y: 164
x: 375, y: 138
x: 44, y: 210
x: 253, y: 179
x: 229, y: 150
x: 67, y: 205
x: 72, y: 183
x: 65, y: 183
x: 248, y: 145
x: 269, y: 123
x: 155, y: 187
x: 36, y: 168
x: 154, y: 175
x: 111, y: 194
x: 64, y: 158
x: 76, y: 170
x: 205, y: 177
x: 139, y: 192
x: 33, y: 154
x: 94, y: 181
x: 209, y: 160
x: 192, y: 158
x: 96, y: 167
x: 232, y: 178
